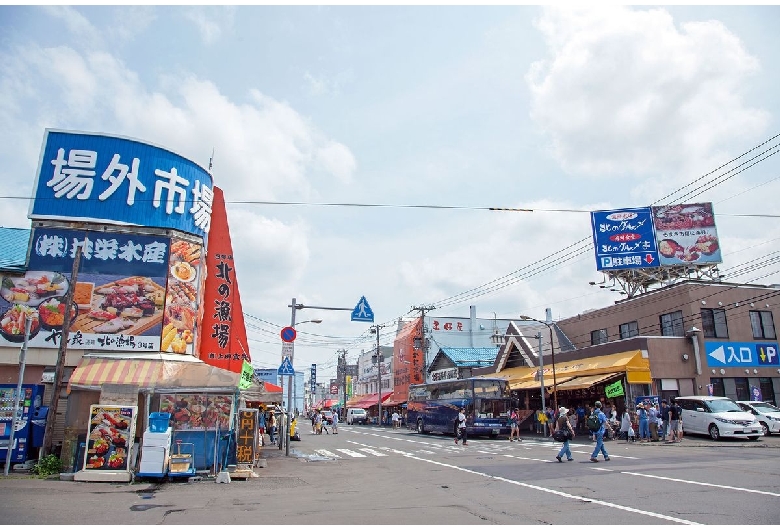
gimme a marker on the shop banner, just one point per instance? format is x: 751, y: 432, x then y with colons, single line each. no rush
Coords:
x: 102, y: 178
x: 614, y: 390
x: 223, y: 343
x: 246, y: 436
x: 109, y: 438
x: 246, y: 376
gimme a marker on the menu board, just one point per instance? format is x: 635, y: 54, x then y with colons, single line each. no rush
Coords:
x: 109, y: 438
x: 197, y: 412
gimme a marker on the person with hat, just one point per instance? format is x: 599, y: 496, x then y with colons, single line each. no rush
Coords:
x: 563, y: 424
x: 599, y: 433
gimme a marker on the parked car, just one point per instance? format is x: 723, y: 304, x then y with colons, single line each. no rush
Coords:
x: 357, y: 416
x: 718, y: 417
x: 767, y: 415
x: 327, y: 417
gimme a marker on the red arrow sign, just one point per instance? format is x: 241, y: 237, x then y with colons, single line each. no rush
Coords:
x: 649, y: 258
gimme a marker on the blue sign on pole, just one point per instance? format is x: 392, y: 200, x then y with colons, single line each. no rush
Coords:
x: 624, y: 239
x: 286, y: 368
x: 362, y: 311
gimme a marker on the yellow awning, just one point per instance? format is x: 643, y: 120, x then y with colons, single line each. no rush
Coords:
x: 636, y: 368
x: 533, y: 383
x: 585, y: 382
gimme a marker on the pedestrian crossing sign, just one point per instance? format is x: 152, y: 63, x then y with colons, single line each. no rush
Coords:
x: 362, y: 311
x: 286, y: 368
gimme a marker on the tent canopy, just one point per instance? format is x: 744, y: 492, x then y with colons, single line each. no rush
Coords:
x: 152, y: 374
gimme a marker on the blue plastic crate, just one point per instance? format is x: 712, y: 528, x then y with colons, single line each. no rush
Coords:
x: 159, y: 421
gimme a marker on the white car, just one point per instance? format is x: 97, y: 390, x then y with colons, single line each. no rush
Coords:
x: 356, y: 416
x: 767, y: 415
x: 718, y: 417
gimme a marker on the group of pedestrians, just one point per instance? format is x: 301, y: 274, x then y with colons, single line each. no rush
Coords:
x: 655, y: 424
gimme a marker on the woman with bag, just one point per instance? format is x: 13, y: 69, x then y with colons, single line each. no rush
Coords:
x: 563, y: 424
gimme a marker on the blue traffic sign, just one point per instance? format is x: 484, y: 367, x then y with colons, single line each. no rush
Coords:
x: 362, y: 311
x: 286, y: 368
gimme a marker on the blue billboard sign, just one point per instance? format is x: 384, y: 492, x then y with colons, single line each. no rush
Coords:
x: 624, y: 239
x: 101, y: 178
x: 742, y: 354
x: 53, y: 249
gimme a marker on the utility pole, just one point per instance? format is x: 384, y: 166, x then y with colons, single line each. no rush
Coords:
x: 61, y: 352
x: 423, y: 340
x: 378, y: 357
x: 342, y: 377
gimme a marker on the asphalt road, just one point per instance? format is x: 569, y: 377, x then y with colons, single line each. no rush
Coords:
x: 370, y: 475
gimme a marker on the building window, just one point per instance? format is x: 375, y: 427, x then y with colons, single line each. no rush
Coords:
x: 742, y: 388
x: 672, y: 324
x: 598, y: 336
x: 762, y: 324
x: 767, y: 391
x: 717, y: 386
x: 714, y: 323
x: 629, y: 329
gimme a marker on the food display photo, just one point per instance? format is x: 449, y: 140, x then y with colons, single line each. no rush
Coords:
x: 109, y: 438
x: 181, y: 301
x: 686, y: 234
x: 131, y: 305
x: 191, y: 412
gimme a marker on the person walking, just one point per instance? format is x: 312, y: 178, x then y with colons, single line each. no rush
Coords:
x: 335, y: 421
x: 550, y: 421
x: 461, y: 427
x: 395, y: 417
x: 514, y: 429
x: 563, y: 424
x: 261, y: 427
x: 597, y: 423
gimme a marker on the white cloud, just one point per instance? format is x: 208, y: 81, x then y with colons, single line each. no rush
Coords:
x: 211, y: 22
x: 626, y: 91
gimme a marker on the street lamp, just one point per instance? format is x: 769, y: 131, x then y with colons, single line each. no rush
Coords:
x: 286, y: 435
x: 375, y: 330
x: 552, y: 351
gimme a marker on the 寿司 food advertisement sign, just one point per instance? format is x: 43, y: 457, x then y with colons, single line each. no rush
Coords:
x: 132, y: 292
x: 197, y: 412
x: 686, y: 234
x: 102, y: 178
x: 109, y: 438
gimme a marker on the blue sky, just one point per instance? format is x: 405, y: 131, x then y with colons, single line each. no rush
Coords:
x: 558, y: 110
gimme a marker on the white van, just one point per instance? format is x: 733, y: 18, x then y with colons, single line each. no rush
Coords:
x: 357, y: 416
x: 718, y: 417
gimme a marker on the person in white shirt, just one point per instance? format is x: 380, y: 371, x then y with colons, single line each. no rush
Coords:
x: 461, y: 434
x: 395, y: 420
x: 335, y: 422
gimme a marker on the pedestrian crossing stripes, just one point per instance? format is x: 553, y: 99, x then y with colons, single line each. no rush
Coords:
x: 433, y: 447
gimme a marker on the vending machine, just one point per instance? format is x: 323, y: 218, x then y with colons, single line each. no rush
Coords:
x: 32, y: 397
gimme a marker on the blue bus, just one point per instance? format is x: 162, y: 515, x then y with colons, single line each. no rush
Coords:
x: 433, y: 407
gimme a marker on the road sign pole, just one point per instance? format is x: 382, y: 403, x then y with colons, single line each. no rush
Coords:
x: 289, y: 388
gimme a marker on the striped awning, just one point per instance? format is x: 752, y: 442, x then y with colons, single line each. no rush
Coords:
x: 134, y: 372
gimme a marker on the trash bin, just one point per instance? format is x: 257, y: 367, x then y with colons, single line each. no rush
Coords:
x: 78, y: 463
x: 38, y: 419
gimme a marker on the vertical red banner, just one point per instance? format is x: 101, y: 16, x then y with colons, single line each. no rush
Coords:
x: 223, y: 341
